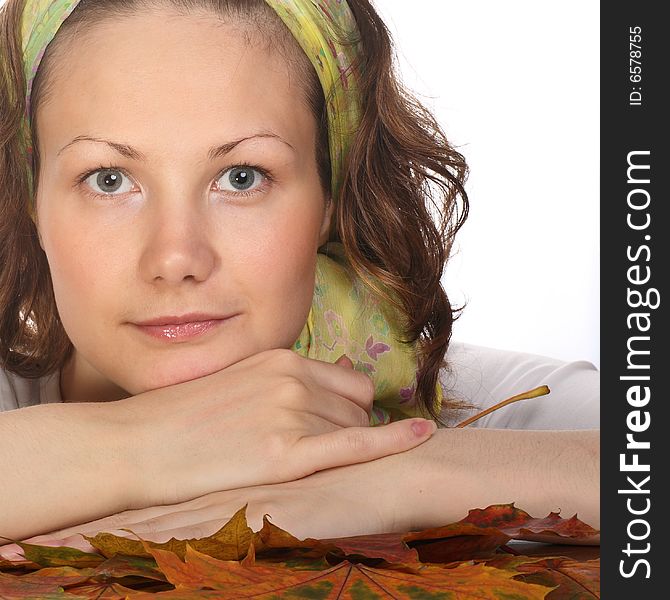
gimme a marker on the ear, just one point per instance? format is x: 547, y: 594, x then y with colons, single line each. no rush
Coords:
x: 33, y: 218
x: 39, y: 238
x: 324, y: 232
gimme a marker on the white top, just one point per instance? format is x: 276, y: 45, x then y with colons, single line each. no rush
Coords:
x: 479, y: 375
x: 485, y: 376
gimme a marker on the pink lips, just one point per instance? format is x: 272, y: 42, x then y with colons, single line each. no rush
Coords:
x: 176, y: 329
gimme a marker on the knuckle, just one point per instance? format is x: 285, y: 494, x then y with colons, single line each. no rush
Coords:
x: 294, y: 389
x: 360, y: 441
x: 404, y: 436
x: 369, y: 387
x: 284, y: 358
x: 198, y: 532
x: 363, y: 418
x: 151, y: 526
x: 276, y: 444
x: 278, y: 461
x: 72, y: 540
x: 116, y: 521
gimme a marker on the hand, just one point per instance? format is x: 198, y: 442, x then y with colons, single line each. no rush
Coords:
x: 270, y: 418
x: 196, y: 518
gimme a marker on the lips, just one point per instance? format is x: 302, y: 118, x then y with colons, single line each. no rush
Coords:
x: 181, y: 328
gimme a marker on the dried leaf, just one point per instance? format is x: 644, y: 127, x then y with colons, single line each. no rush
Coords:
x: 104, y: 591
x: 388, y: 547
x: 59, y: 556
x: 573, y: 580
x: 248, y: 578
x: 14, y: 565
x: 229, y: 543
x: 275, y: 564
x: 519, y: 525
x: 19, y: 586
x: 128, y: 566
x: 458, y: 541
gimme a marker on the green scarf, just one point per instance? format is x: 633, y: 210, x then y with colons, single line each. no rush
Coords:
x: 347, y: 318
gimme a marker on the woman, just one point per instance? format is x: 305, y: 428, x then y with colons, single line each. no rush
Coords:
x: 171, y: 170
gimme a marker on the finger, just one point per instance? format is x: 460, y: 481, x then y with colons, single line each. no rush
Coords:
x: 193, y: 531
x: 362, y: 444
x: 171, y: 522
x: 343, y: 381
x: 345, y: 361
x: 79, y: 542
x: 12, y: 552
x: 109, y: 523
x: 145, y: 528
x: 335, y: 410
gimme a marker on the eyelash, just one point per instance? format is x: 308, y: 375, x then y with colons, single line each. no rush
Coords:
x: 267, y: 177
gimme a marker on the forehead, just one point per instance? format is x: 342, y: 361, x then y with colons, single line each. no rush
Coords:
x: 174, y: 74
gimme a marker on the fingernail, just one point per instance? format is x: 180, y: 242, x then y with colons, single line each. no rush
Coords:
x: 346, y: 362
x: 423, y: 427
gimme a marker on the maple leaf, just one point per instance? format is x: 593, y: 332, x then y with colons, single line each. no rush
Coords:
x: 13, y: 565
x: 519, y: 525
x: 484, y: 530
x: 229, y: 580
x: 457, y: 541
x: 371, y: 549
x: 229, y: 543
x: 573, y: 579
x: 276, y: 564
x: 25, y: 586
x: 59, y: 556
x: 126, y: 566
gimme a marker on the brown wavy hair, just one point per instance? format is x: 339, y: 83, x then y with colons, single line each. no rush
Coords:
x: 400, y: 169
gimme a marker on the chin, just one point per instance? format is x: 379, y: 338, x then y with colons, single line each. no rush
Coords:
x: 172, y: 374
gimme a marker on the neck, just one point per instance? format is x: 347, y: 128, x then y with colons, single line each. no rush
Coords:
x: 81, y: 382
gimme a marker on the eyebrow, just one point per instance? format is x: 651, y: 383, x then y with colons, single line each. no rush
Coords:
x: 214, y: 152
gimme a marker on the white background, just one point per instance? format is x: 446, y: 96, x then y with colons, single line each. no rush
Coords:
x: 515, y: 85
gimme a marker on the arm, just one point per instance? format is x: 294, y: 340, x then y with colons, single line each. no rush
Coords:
x: 428, y: 486
x: 459, y: 469
x: 69, y: 463
x: 61, y: 464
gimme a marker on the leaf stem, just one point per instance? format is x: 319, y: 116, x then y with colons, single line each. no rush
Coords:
x: 534, y: 393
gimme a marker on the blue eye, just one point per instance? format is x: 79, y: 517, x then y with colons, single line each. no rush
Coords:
x: 241, y: 178
x: 109, y: 182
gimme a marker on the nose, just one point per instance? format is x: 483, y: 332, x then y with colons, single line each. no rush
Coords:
x: 177, y: 245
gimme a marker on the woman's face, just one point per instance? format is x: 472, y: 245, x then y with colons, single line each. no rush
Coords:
x: 179, y: 203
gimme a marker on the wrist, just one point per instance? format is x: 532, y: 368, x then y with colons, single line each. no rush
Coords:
x: 136, y: 469
x: 438, y: 478
x: 540, y: 471
x: 412, y: 499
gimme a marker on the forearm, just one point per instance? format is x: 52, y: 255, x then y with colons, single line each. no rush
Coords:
x: 540, y: 471
x: 431, y: 485
x: 61, y: 464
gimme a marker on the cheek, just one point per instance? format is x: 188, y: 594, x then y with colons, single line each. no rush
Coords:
x: 82, y: 272
x: 281, y: 270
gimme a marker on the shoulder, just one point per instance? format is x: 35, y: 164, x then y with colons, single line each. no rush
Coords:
x: 485, y: 376
x: 19, y: 392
